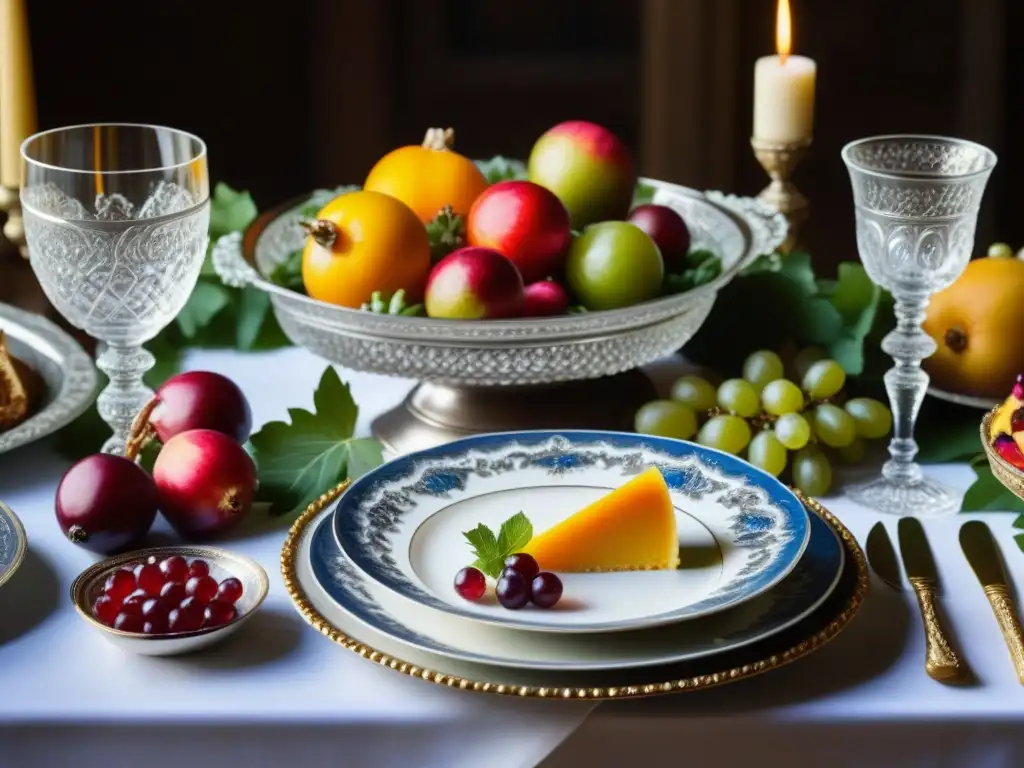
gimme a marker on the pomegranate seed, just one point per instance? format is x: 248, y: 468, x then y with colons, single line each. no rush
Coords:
x: 120, y: 584
x: 202, y: 588
x: 105, y: 609
x: 158, y: 625
x: 470, y: 584
x: 230, y: 590
x: 137, y: 597
x: 199, y: 568
x: 191, y: 604
x: 152, y: 560
x: 155, y: 606
x: 218, y: 613
x: 175, y: 568
x: 128, y: 622
x: 133, y: 603
x: 185, y: 618
x: 173, y: 592
x: 150, y: 579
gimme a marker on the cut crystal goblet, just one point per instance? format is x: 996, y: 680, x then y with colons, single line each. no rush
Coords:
x: 916, y: 200
x: 116, y: 221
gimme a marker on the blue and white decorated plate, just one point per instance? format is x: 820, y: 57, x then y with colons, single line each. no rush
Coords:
x: 415, y: 626
x: 741, y: 531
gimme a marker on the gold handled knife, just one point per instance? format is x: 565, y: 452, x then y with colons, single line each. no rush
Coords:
x: 941, y: 661
x: 982, y: 553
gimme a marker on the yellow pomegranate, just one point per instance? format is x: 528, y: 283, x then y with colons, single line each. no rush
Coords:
x: 977, y: 323
x: 429, y: 177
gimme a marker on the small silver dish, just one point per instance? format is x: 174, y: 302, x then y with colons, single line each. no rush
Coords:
x: 255, y: 584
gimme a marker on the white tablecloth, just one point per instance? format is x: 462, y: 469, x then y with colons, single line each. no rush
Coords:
x: 279, y: 694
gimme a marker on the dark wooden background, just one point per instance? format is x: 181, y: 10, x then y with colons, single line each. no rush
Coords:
x: 305, y: 93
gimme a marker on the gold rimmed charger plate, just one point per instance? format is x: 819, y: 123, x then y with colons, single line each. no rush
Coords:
x: 802, y: 639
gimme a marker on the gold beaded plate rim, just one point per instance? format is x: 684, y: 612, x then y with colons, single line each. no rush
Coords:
x: 842, y: 618
x: 1010, y: 476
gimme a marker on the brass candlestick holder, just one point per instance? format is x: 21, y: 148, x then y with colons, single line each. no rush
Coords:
x: 14, y: 227
x: 779, y: 159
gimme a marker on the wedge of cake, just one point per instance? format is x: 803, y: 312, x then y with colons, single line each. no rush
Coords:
x: 633, y: 528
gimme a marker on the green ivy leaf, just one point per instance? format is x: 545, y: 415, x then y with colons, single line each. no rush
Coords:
x: 1019, y: 522
x: 988, y: 494
x: 301, y: 459
x: 206, y: 301
x: 230, y: 211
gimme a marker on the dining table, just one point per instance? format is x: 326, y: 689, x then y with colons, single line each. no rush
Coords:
x: 278, y: 693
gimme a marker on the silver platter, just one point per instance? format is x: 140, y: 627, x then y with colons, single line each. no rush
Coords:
x: 969, y: 401
x: 67, y: 371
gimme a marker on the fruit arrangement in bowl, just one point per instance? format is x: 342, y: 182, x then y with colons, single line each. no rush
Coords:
x: 170, y: 600
x: 774, y: 409
x: 428, y: 224
x: 576, y: 276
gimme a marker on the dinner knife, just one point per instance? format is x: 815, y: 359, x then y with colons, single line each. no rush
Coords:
x: 982, y: 553
x: 882, y: 556
x: 941, y: 661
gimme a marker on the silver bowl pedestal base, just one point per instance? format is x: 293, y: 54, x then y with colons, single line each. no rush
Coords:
x: 433, y: 414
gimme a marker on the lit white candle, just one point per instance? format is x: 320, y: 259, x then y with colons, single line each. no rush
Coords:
x: 17, y: 95
x: 784, y: 89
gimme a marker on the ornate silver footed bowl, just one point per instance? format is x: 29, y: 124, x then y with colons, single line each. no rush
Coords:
x: 562, y: 372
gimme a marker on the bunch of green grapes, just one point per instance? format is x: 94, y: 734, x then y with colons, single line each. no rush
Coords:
x: 765, y: 416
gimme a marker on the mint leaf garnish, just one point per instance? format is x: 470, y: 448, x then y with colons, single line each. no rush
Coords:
x: 515, y: 534
x: 491, y: 550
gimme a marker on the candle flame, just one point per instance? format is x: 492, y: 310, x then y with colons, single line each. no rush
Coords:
x: 783, y: 30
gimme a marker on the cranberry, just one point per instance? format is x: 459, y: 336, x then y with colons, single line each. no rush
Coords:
x: 470, y: 584
x: 513, y: 590
x: 105, y: 609
x: 128, y: 622
x: 546, y: 589
x: 173, y: 592
x: 120, y: 584
x: 150, y: 579
x: 198, y: 568
x: 230, y: 590
x: 218, y: 613
x: 174, y: 568
x: 202, y: 588
x: 185, y: 618
x: 524, y: 564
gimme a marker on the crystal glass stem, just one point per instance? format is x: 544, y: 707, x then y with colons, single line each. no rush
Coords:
x: 906, y: 385
x: 126, y: 394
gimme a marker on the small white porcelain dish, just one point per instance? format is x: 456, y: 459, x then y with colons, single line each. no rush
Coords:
x: 223, y: 564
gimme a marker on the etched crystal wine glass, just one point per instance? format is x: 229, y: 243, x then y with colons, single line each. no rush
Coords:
x: 916, y: 200
x: 116, y: 221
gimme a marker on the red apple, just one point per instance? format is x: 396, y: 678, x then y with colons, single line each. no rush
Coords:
x: 474, y: 284
x: 668, y: 231
x: 526, y: 223
x: 588, y: 167
x: 545, y: 299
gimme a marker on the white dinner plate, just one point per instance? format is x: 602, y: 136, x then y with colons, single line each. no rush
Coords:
x: 740, y: 530
x: 430, y: 631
